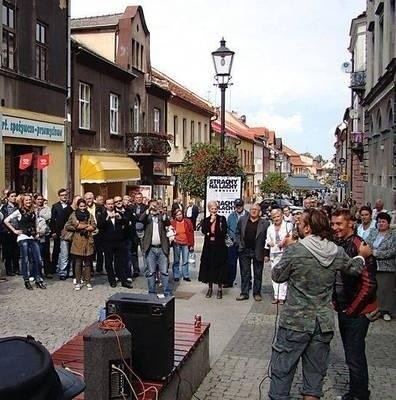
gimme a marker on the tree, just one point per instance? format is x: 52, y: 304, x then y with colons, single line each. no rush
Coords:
x: 205, y: 160
x: 307, y: 154
x: 319, y: 158
x: 275, y: 183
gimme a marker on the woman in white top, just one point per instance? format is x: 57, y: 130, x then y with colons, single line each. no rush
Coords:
x: 276, y: 235
x: 27, y: 239
x: 367, y: 224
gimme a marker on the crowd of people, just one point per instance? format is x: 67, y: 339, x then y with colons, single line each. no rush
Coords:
x: 92, y: 235
x: 323, y: 257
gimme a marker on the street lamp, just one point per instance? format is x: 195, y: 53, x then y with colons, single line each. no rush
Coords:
x: 222, y: 60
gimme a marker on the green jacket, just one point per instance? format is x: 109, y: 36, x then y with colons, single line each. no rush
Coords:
x: 310, y: 285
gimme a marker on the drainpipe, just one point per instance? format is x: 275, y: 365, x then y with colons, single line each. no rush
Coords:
x: 69, y: 149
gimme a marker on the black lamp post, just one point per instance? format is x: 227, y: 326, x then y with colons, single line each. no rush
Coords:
x: 222, y: 60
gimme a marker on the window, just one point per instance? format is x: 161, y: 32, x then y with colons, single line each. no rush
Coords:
x: 175, y: 131
x: 114, y: 117
x: 136, y: 115
x: 41, y: 51
x: 8, y: 45
x: 206, y: 134
x: 141, y: 58
x: 184, y: 133
x: 192, y: 133
x: 200, y: 133
x: 157, y: 119
x: 84, y: 106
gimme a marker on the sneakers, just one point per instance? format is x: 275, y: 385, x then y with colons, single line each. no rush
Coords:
x: 257, y: 297
x: 386, y: 317
x: 242, y: 297
x: 89, y: 287
x: 77, y: 287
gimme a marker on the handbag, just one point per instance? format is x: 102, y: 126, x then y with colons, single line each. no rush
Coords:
x: 67, y: 235
x: 228, y: 241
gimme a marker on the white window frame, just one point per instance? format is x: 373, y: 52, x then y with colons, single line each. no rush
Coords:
x: 114, y: 114
x: 136, y: 116
x: 156, y: 120
x: 84, y: 106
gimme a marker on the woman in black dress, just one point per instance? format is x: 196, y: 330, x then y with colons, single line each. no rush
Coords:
x: 213, y: 268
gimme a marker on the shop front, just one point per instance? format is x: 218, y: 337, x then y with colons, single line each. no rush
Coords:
x: 32, y: 152
x: 106, y: 174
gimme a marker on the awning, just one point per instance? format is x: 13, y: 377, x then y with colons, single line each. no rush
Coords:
x: 302, y: 182
x: 100, y: 169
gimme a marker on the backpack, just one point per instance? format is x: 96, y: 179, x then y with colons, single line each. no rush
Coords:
x: 27, y: 372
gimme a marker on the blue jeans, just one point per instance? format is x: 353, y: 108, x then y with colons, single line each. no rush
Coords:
x: 232, y: 260
x: 30, y: 254
x: 245, y: 259
x: 353, y: 330
x: 64, y: 258
x: 180, y: 250
x: 156, y: 257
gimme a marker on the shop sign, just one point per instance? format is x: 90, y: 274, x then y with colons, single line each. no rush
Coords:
x: 31, y: 129
x: 225, y: 190
x: 159, y: 166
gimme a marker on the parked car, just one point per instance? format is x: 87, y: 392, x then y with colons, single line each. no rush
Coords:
x: 278, y: 203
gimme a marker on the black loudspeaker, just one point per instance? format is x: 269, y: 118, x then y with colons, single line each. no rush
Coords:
x: 151, y: 321
x: 103, y: 362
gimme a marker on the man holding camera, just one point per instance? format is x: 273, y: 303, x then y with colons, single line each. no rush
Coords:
x: 113, y: 227
x: 155, y: 246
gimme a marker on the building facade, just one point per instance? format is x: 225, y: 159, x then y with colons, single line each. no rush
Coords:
x: 100, y: 121
x: 33, y: 92
x: 379, y: 103
x: 124, y: 39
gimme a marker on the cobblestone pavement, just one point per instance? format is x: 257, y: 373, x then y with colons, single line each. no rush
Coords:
x: 244, y: 362
x: 241, y: 333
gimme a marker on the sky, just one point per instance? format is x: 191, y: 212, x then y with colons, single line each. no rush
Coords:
x: 286, y: 73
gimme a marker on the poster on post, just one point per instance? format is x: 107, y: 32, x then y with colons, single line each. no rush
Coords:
x: 224, y: 190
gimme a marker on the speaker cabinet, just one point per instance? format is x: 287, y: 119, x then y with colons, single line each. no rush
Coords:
x: 103, y: 362
x: 151, y: 321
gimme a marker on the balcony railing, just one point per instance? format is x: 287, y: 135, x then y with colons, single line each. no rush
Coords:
x: 357, y: 143
x: 148, y: 143
x: 358, y: 80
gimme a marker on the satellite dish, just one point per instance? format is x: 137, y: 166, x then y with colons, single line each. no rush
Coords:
x: 346, y: 67
x: 353, y: 113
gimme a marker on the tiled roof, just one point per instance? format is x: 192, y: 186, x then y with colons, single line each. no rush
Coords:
x: 182, y: 92
x: 297, y: 162
x: 290, y: 152
x: 97, y: 21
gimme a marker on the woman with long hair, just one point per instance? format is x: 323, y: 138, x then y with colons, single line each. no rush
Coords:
x: 27, y: 239
x: 213, y: 268
x: 82, y: 223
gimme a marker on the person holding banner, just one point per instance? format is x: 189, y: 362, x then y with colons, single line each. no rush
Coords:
x: 213, y: 268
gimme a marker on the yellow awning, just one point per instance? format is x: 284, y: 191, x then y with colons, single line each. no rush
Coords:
x: 100, y: 169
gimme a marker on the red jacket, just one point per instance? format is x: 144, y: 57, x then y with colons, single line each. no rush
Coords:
x: 189, y: 230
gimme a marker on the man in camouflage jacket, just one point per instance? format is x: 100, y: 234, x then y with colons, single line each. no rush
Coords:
x: 306, y: 323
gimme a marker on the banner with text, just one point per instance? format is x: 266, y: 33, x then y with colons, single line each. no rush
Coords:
x: 223, y: 189
x: 31, y: 129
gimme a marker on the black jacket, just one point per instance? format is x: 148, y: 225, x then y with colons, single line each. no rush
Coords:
x: 110, y: 232
x: 59, y: 217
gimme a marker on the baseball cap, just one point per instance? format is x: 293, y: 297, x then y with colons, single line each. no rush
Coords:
x: 238, y: 202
